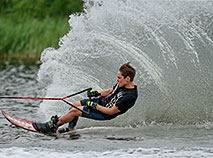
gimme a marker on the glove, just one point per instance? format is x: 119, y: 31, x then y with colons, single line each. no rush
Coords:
x: 91, y: 104
x: 92, y: 93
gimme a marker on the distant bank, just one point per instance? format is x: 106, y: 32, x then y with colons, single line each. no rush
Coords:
x: 26, y: 39
x: 28, y: 27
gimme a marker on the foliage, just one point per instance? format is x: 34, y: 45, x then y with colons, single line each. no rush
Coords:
x: 27, y: 27
x: 30, y: 37
x: 41, y: 8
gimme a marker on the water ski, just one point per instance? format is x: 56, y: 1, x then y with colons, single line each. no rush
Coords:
x: 23, y: 123
x: 28, y: 125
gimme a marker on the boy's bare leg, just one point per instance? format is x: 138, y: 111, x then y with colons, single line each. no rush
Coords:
x: 71, y: 114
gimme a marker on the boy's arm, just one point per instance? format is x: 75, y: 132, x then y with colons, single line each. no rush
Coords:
x: 106, y: 92
x: 110, y: 111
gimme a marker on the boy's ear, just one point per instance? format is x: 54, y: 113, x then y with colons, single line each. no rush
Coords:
x: 128, y: 78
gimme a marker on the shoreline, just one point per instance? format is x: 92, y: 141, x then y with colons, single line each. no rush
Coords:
x: 17, y: 59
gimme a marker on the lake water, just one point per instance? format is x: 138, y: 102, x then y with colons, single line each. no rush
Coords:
x: 152, y: 140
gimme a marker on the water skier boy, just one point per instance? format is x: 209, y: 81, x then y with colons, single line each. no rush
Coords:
x: 102, y: 105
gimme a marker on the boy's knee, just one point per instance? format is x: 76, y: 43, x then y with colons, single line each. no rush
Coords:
x: 74, y: 112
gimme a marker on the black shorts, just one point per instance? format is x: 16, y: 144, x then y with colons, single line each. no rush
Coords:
x: 95, y: 114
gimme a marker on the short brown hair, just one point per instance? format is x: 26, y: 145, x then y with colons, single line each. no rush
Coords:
x: 127, y: 70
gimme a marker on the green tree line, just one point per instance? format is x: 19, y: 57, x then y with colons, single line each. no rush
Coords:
x: 27, y: 27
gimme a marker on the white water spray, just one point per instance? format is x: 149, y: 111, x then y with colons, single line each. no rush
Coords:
x: 169, y: 43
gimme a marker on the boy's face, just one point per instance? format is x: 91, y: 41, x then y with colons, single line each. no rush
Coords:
x: 122, y: 82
